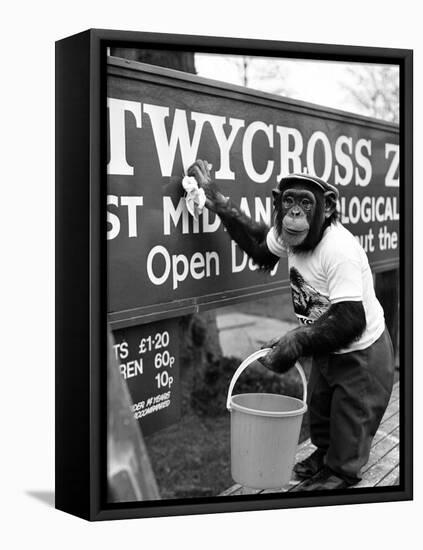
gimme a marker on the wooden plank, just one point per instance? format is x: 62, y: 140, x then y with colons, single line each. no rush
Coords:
x: 395, y: 392
x: 386, y: 428
x: 376, y: 473
x: 393, y: 408
x: 392, y: 478
x: 241, y: 490
x: 382, y: 448
x: 295, y: 483
x: 230, y: 491
x: 279, y: 490
x: 391, y: 415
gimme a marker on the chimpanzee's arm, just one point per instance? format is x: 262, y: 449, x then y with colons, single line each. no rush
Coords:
x: 337, y: 328
x: 248, y: 234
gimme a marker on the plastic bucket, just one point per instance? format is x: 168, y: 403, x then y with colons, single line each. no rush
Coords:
x: 265, y: 429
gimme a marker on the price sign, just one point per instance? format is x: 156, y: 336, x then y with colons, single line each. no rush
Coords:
x: 148, y: 359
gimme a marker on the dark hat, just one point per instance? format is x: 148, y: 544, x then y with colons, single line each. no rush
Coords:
x: 313, y: 180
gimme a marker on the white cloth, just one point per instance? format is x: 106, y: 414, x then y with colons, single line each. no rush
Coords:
x: 337, y: 270
x: 195, y: 197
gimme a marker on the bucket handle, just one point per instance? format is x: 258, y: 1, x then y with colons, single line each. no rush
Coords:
x: 250, y: 359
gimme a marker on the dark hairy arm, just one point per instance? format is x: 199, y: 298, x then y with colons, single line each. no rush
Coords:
x: 337, y: 328
x: 248, y: 234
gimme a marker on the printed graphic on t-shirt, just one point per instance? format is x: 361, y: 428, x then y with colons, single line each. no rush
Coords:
x: 309, y: 304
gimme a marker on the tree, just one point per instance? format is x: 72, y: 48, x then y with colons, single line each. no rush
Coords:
x: 271, y: 76
x: 266, y: 74
x: 375, y: 90
x: 243, y: 63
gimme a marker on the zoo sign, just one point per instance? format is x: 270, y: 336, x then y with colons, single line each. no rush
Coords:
x: 160, y: 121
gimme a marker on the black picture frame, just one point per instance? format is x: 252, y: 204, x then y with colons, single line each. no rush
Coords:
x: 81, y: 281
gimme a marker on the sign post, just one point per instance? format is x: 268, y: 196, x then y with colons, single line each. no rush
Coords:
x: 162, y: 262
x: 148, y: 359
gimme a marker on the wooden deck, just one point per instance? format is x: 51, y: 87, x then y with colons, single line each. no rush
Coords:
x: 382, y: 468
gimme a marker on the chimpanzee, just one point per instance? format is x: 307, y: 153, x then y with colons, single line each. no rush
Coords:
x: 342, y: 327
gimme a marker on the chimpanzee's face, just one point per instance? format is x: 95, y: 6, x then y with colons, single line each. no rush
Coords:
x: 302, y: 211
x: 299, y: 208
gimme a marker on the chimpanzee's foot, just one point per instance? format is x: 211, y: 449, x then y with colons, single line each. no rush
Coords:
x: 311, y: 465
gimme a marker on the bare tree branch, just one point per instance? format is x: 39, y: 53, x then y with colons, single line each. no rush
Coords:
x: 376, y: 90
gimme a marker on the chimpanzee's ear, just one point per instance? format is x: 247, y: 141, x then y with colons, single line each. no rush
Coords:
x: 276, y: 194
x: 330, y: 203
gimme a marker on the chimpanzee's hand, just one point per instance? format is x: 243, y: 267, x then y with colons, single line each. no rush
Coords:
x: 201, y: 172
x: 285, y: 351
x: 270, y: 343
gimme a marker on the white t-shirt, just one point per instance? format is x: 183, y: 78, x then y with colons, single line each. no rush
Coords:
x: 337, y: 270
